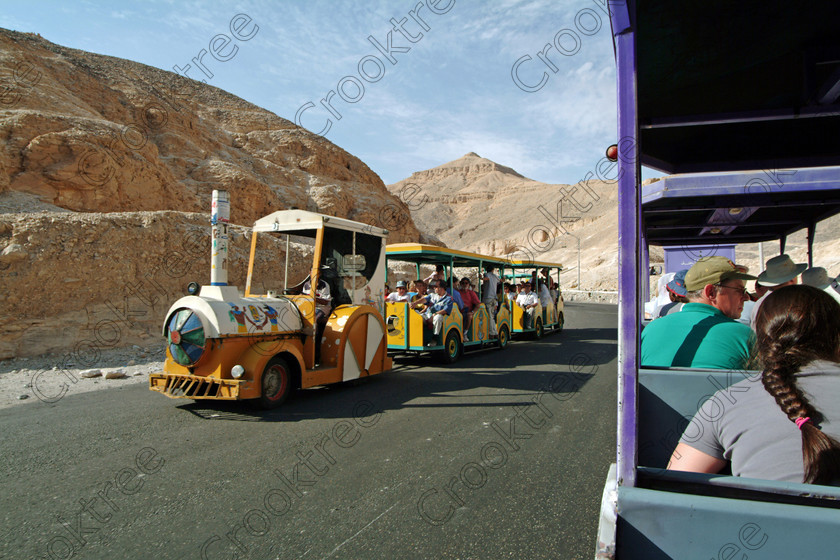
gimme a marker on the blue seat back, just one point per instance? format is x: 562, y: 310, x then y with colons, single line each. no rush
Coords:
x: 668, y: 400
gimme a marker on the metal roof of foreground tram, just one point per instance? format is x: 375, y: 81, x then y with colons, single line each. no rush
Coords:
x: 725, y: 85
x: 738, y: 207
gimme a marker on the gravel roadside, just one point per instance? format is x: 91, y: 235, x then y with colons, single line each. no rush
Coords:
x: 49, y: 378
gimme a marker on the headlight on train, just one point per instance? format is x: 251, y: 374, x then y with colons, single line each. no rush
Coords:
x: 237, y: 371
x: 185, y: 335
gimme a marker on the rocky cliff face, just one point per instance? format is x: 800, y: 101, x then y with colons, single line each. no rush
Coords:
x: 475, y: 204
x: 86, y: 135
x: 67, y: 289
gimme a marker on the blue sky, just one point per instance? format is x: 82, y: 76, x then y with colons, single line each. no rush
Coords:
x: 451, y: 93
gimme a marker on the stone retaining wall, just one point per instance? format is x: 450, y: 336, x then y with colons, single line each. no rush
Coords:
x: 590, y: 296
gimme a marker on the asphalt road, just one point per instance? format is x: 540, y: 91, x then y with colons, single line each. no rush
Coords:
x: 502, y: 455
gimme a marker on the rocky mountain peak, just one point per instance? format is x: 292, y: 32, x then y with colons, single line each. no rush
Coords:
x: 467, y: 168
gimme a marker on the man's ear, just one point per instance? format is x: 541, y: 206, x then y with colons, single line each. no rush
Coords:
x: 708, y: 291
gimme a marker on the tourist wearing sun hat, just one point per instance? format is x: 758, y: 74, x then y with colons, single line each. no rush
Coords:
x: 704, y: 334
x: 676, y: 292
x: 818, y: 277
x: 779, y: 271
x: 677, y: 285
x: 400, y: 295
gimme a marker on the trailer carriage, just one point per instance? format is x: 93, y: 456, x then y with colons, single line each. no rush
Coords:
x: 547, y: 318
x: 406, y: 330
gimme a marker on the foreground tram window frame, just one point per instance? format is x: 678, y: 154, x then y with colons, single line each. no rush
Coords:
x: 739, y: 100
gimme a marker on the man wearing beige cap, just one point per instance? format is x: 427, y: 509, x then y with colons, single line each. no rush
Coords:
x: 705, y: 333
x: 780, y: 271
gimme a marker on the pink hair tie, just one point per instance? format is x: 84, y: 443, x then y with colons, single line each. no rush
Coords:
x: 801, y: 420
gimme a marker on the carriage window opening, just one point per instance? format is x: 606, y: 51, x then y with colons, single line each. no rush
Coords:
x: 338, y: 245
x: 275, y: 267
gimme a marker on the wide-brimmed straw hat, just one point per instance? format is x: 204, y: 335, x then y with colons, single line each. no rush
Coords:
x: 779, y: 270
x: 817, y: 277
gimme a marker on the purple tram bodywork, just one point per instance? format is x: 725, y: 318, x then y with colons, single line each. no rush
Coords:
x: 740, y: 102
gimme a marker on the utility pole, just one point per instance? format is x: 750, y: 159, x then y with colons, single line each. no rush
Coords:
x: 578, y: 257
x: 760, y: 256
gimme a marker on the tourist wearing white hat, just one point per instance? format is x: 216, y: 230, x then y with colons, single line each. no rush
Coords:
x: 818, y: 277
x: 400, y: 295
x: 779, y: 271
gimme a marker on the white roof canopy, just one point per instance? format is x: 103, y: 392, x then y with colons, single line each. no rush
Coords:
x: 296, y: 220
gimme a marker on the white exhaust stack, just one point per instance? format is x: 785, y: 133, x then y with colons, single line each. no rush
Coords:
x: 219, y: 218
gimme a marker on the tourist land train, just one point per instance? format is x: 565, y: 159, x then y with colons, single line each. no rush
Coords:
x: 268, y: 343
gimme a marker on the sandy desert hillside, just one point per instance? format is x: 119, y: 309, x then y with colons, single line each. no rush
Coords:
x: 475, y: 204
x: 104, y: 163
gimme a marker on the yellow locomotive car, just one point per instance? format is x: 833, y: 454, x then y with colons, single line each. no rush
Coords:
x: 312, y: 316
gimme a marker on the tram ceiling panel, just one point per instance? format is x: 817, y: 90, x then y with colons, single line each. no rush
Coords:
x: 765, y: 97
x: 740, y: 207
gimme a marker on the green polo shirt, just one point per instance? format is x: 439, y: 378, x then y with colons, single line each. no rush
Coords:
x: 699, y: 336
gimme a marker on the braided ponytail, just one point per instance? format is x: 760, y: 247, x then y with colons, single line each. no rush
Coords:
x: 795, y: 326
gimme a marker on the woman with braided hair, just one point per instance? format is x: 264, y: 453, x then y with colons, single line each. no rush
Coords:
x: 786, y: 427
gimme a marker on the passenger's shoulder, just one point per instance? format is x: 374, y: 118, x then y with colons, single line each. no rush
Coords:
x: 661, y: 323
x: 734, y: 328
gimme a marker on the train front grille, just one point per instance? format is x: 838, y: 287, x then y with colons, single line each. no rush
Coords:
x: 194, y: 386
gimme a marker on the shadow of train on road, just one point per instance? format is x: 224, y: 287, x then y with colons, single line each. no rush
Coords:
x: 559, y: 363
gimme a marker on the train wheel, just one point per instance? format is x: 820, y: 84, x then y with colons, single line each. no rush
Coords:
x: 276, y: 383
x: 538, y: 329
x: 451, y: 348
x: 560, y: 321
x: 504, y: 337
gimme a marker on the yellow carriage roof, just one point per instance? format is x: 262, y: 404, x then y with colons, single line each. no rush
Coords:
x: 433, y: 254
